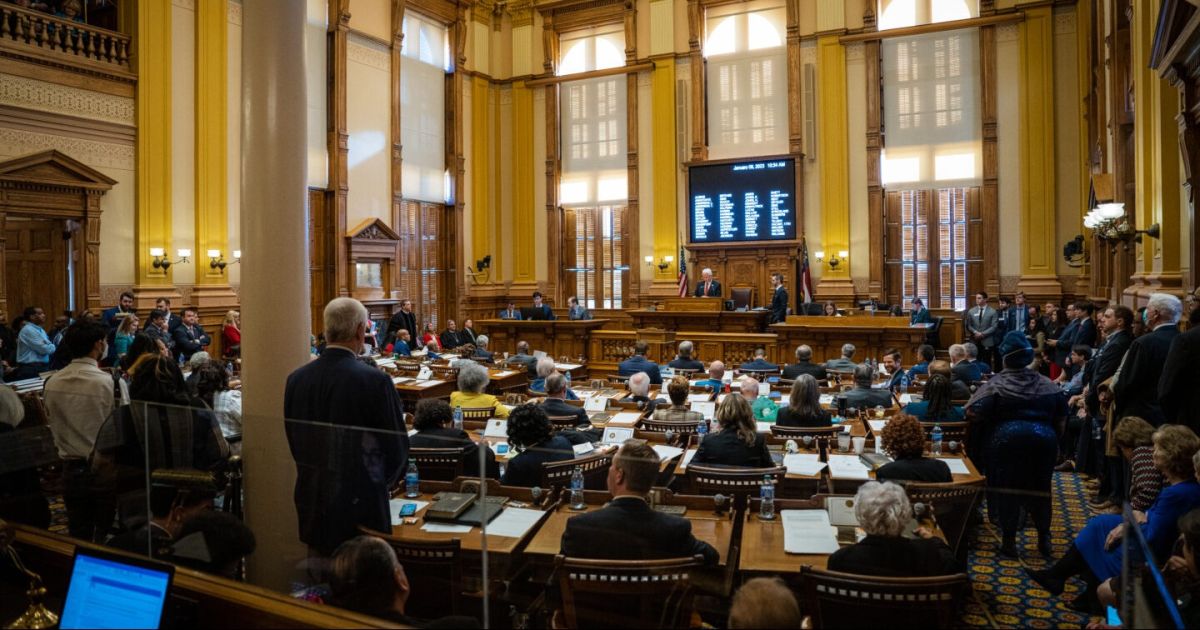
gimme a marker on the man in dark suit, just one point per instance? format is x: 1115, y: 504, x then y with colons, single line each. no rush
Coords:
x: 481, y: 351
x: 1136, y: 391
x: 1019, y: 318
x: 576, y: 311
x: 639, y: 392
x: 541, y: 310
x: 1089, y: 455
x: 173, y: 320
x: 451, y: 337
x: 707, y: 287
x: 189, y: 337
x: 524, y: 358
x: 403, y: 318
x: 926, y: 354
x: 863, y: 396
x: 964, y: 370
x: 627, y: 528
x: 639, y: 363
x: 1116, y: 320
x: 779, y: 300
x: 112, y: 316
x: 920, y: 314
x: 804, y: 365
x: 760, y: 363
x: 555, y: 403
x: 1179, y: 388
x: 683, y: 359
x: 343, y: 474
x: 510, y: 312
x: 959, y: 390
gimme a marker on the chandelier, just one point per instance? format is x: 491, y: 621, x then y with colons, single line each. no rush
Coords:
x: 1110, y: 225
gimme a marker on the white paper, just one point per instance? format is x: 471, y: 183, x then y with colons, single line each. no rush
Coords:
x: 808, y: 532
x: 763, y: 427
x: 827, y: 400
x: 721, y: 398
x: 396, y: 504
x: 808, y: 464
x: 424, y: 373
x: 764, y: 389
x: 695, y: 398
x: 625, y: 418
x: 412, y: 432
x: 503, y: 373
x: 667, y: 452
x: 707, y: 409
x: 446, y: 528
x: 595, y: 404
x: 400, y: 379
x: 877, y: 425
x: 567, y: 367
x: 424, y: 384
x: 687, y: 458
x: 513, y: 522
x: 957, y: 465
x: 616, y: 435
x: 905, y: 399
x: 496, y: 427
x: 847, y: 467
x: 582, y: 449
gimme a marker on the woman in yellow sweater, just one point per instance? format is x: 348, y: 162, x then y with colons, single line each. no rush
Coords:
x: 472, y: 378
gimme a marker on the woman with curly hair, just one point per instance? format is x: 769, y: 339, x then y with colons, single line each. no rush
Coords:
x: 904, y: 439
x: 531, y: 434
x: 738, y: 443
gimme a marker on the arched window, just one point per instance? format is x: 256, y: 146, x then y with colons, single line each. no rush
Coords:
x: 746, y: 80
x: 901, y: 13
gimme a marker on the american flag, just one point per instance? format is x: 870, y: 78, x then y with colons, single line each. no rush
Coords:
x: 806, y: 290
x: 683, y: 279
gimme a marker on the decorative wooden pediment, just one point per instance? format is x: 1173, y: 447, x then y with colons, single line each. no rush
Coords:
x: 373, y: 239
x: 51, y: 168
x: 373, y: 230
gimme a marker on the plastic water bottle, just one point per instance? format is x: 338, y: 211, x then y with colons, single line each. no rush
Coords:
x: 458, y: 418
x: 701, y: 430
x: 937, y: 439
x: 567, y: 375
x: 766, y: 511
x: 904, y: 383
x: 577, y: 489
x: 412, y: 481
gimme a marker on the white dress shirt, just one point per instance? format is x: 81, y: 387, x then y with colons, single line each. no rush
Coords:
x: 79, y: 400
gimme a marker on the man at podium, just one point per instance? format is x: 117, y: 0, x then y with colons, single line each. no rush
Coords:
x: 707, y: 287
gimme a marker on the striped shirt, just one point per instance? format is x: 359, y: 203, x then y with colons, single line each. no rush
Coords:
x: 1145, y: 482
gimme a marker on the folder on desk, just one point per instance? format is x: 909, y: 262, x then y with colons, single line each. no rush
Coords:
x: 448, y: 506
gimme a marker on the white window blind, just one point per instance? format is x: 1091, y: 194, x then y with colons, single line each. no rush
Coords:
x: 592, y: 125
x: 424, y: 62
x: 747, y: 82
x: 932, y: 126
x: 901, y: 13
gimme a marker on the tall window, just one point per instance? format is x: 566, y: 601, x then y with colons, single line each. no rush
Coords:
x: 929, y: 249
x: 746, y: 80
x: 593, y: 186
x: 423, y: 259
x: 424, y: 62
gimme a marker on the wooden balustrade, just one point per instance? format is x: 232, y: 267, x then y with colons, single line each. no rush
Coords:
x: 62, y: 40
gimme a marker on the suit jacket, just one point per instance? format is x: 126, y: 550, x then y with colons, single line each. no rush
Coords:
x: 450, y: 437
x: 1018, y: 318
x: 466, y: 335
x: 484, y: 354
x: 714, y: 289
x: 984, y: 321
x: 514, y: 314
x: 343, y: 475
x: 1136, y: 391
x: 967, y: 372
x: 725, y: 448
x: 759, y: 365
x: 638, y: 363
x: 578, y: 312
x: 627, y: 529
x: 1104, y: 364
x: 525, y: 470
x: 560, y: 407
x: 804, y: 367
x: 779, y: 305
x: 920, y: 316
x: 896, y: 557
x: 1179, y: 387
x: 841, y: 364
x: 189, y: 340
x: 865, y: 397
x: 451, y: 339
x: 528, y: 360
x: 173, y: 322
x: 400, y: 319
x: 154, y: 332
x: 1064, y: 341
x: 921, y: 469
x: 686, y: 364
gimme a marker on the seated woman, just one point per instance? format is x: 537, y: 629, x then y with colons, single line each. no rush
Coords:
x: 804, y: 405
x: 935, y: 405
x: 472, y: 378
x: 830, y: 310
x: 212, y: 387
x: 532, y: 436
x: 1096, y: 553
x: 883, y: 511
x: 1180, y: 572
x: 1134, y: 437
x: 434, y: 424
x: 904, y: 439
x: 678, y: 389
x: 737, y: 443
x: 430, y: 336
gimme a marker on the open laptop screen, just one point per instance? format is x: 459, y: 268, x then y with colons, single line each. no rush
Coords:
x: 115, y: 591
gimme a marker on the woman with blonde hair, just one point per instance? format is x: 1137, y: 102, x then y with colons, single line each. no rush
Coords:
x: 737, y: 443
x: 124, y: 335
x: 231, y: 335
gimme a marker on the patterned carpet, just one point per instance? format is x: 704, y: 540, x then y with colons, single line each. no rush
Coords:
x: 1004, y: 596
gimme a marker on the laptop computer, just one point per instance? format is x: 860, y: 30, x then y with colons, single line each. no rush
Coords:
x: 109, y: 590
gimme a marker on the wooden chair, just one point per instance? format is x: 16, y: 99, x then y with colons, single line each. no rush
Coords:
x: 844, y: 600
x: 478, y: 413
x: 440, y: 464
x: 703, y: 479
x: 655, y: 426
x: 953, y: 506
x: 618, y: 380
x: 626, y: 593
x: 563, y: 422
x: 822, y: 436
x: 595, y: 471
x: 514, y: 399
x: 436, y: 570
x: 535, y: 394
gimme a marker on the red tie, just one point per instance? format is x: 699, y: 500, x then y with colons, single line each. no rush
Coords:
x: 706, y: 285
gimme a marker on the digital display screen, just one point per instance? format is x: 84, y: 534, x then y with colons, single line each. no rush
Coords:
x: 754, y: 200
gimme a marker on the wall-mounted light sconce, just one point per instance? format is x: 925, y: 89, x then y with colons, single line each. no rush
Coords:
x: 1108, y: 221
x: 215, y: 261
x: 237, y: 256
x: 483, y: 269
x: 662, y: 265
x: 834, y: 261
x: 162, y: 262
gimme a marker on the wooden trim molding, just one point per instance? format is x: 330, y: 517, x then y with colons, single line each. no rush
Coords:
x: 338, y: 139
x: 923, y: 29
x: 593, y: 74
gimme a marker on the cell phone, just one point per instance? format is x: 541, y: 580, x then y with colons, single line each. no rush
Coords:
x: 408, y: 509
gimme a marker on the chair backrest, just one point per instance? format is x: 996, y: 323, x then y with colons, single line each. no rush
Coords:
x: 822, y: 436
x: 626, y: 593
x: 438, y: 464
x: 618, y: 380
x: 478, y: 413
x: 563, y: 422
x: 846, y: 600
x: 35, y: 410
x: 956, y: 431
x: 435, y: 570
x: 953, y: 506
x: 652, y: 425
x: 595, y: 471
x: 741, y: 296
x: 703, y: 479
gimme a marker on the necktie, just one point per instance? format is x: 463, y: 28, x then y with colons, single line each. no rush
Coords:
x: 706, y: 285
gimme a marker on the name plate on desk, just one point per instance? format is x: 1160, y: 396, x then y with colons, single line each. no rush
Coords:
x: 625, y: 419
x: 617, y: 435
x: 595, y: 404
x: 424, y: 373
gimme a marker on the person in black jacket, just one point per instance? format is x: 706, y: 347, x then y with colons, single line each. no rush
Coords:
x: 683, y: 359
x: 804, y: 365
x: 343, y: 474
x: 531, y: 434
x: 1136, y: 389
x: 189, y: 337
x: 904, y: 439
x: 1179, y: 387
x: 737, y: 443
x: 402, y: 319
x: 883, y: 511
x: 804, y: 405
x: 779, y: 300
x: 434, y: 424
x: 627, y: 528
x: 555, y: 403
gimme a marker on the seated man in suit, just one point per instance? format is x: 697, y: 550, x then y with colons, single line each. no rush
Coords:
x: 760, y: 363
x: 845, y: 362
x: 639, y: 363
x: 884, y: 512
x: 481, y: 351
x: 927, y: 354
x: 576, y: 311
x: 545, y: 368
x: 450, y: 338
x: 627, y: 528
x: 190, y: 338
x: 891, y: 363
x: 707, y: 287
x: 962, y: 369
x: 683, y: 359
x: 524, y: 358
x: 510, y: 312
x: 804, y: 365
x: 434, y: 422
x: 863, y: 396
x: 555, y: 403
x: 973, y: 359
x: 716, y: 372
x: 639, y: 392
x: 540, y: 310
x: 920, y: 314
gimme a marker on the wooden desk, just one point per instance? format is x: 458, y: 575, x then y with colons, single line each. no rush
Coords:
x: 762, y: 549
x: 700, y: 320
x: 503, y: 381
x: 556, y: 338
x: 870, y: 335
x: 706, y: 304
x: 411, y: 392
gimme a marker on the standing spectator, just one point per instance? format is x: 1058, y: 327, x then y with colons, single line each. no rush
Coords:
x: 33, y: 345
x: 403, y: 319
x: 173, y: 321
x: 112, y: 316
x: 8, y: 340
x: 980, y: 325
x: 231, y: 335
x: 190, y: 338
x: 1179, y: 387
x: 1136, y: 391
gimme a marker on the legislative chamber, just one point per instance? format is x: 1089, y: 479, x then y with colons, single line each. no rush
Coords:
x: 599, y: 313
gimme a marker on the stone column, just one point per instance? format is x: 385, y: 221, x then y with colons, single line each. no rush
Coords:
x: 275, y: 287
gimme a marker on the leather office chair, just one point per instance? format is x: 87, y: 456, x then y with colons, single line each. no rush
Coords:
x: 741, y: 298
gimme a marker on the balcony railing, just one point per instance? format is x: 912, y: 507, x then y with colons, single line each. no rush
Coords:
x: 47, y: 37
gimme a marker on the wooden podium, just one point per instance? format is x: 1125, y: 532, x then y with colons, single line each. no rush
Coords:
x: 870, y: 335
x: 556, y: 338
x: 705, y: 304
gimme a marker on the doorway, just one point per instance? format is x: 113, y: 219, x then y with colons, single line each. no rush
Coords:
x: 37, y: 265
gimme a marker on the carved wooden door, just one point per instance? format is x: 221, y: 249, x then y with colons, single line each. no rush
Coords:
x: 36, y: 267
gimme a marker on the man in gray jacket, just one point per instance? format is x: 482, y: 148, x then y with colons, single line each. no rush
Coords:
x: 980, y: 325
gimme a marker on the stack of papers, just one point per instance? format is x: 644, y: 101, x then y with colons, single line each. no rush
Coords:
x: 957, y: 465
x: 514, y: 522
x: 625, y: 418
x: 808, y: 532
x: 667, y: 452
x: 567, y: 367
x: 424, y: 384
x: 687, y: 458
x: 695, y: 398
x: 847, y: 467
x: 706, y: 409
x: 807, y: 464
x: 446, y: 528
x: 503, y: 373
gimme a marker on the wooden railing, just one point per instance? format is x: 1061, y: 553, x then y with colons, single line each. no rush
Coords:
x: 62, y: 40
